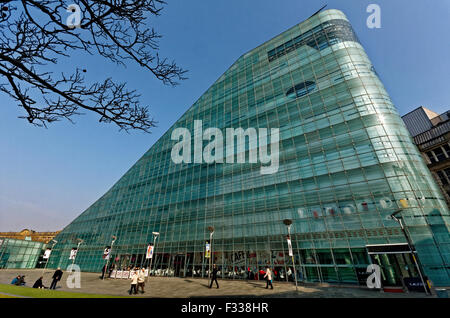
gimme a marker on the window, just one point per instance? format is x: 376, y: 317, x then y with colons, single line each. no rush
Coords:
x: 319, y: 38
x: 431, y: 157
x: 442, y: 177
x: 301, y: 89
x: 447, y: 172
x: 439, y: 154
x: 447, y: 149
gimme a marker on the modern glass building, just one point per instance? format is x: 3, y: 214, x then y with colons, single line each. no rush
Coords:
x: 20, y: 253
x: 346, y: 163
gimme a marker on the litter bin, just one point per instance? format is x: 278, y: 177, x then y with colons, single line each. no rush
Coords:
x: 441, y: 293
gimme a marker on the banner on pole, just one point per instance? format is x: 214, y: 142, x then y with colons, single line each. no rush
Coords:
x: 47, y: 253
x: 73, y: 253
x: 208, y: 250
x: 290, y: 246
x: 106, y: 252
x: 149, y: 253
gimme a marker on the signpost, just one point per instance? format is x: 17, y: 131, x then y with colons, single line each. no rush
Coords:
x: 288, y: 223
x: 151, y: 252
x: 47, y: 255
x: 107, y: 256
x: 74, y: 251
x: 208, y: 252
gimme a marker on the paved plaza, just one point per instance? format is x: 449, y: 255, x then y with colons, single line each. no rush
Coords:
x: 166, y: 287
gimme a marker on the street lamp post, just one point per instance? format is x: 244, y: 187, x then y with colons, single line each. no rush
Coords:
x: 410, y: 246
x: 46, y: 263
x: 288, y: 224
x: 155, y: 235
x: 110, y: 254
x: 211, y: 232
x: 80, y: 241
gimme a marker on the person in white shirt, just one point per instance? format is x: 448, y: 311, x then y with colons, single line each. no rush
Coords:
x: 134, y: 281
x: 268, y: 277
x: 141, y: 280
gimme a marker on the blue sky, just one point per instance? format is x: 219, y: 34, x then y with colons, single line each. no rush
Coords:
x: 50, y: 176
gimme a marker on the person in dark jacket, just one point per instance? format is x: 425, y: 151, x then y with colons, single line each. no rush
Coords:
x: 111, y: 268
x: 214, y: 276
x: 38, y: 283
x: 22, y: 281
x: 56, y: 278
x: 16, y: 280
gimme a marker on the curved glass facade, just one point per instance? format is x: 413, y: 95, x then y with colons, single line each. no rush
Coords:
x: 346, y: 162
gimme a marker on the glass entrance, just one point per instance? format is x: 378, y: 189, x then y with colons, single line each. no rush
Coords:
x: 397, y: 266
x: 390, y: 270
x: 178, y: 265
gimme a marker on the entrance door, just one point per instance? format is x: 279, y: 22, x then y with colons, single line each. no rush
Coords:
x: 178, y: 265
x: 391, y: 274
x: 397, y: 266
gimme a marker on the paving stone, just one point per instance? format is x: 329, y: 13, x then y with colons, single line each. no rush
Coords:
x: 170, y: 287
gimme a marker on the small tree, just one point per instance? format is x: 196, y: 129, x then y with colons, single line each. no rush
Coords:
x: 35, y: 33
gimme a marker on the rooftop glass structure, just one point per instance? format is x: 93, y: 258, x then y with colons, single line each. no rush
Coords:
x: 346, y: 163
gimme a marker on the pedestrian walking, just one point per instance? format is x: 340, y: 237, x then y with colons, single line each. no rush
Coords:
x: 111, y: 269
x: 141, y: 280
x: 214, y: 276
x: 268, y: 278
x: 56, y: 278
x: 134, y: 281
x: 104, y: 268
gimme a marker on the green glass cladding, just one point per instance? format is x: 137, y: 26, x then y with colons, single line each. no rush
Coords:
x: 20, y: 253
x: 346, y: 161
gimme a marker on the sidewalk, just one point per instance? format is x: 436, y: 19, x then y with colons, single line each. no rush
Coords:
x: 165, y: 287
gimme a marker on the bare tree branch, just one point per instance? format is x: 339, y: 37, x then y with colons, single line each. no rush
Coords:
x: 34, y: 35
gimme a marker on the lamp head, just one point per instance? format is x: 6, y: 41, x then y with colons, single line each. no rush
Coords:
x: 393, y: 215
x: 287, y: 222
